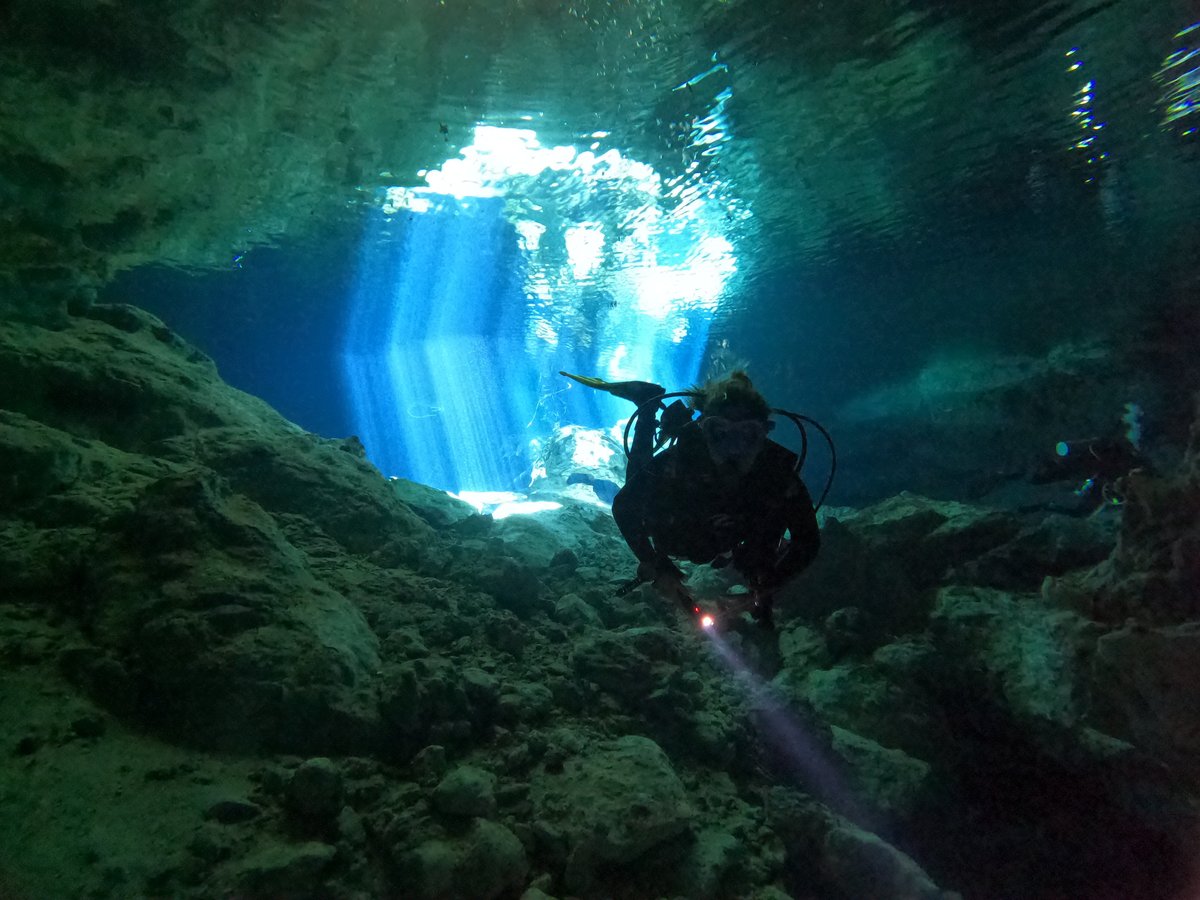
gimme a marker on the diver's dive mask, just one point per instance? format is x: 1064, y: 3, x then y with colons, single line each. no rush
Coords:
x: 734, y: 440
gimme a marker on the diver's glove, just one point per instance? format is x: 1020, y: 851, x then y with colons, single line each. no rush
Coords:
x: 762, y: 610
x: 652, y: 569
x: 646, y: 572
x: 667, y: 580
x: 762, y: 600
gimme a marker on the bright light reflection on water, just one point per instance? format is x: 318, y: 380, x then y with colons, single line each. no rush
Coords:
x: 514, y: 261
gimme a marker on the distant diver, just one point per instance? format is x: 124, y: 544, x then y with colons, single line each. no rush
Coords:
x: 719, y: 493
x: 1099, y: 466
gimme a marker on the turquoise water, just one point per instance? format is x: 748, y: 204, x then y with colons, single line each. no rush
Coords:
x: 838, y: 198
x: 238, y: 662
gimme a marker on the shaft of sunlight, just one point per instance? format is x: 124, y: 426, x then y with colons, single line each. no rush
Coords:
x: 433, y: 327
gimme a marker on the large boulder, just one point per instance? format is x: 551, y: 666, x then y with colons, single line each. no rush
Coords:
x: 1145, y: 688
x: 485, y: 862
x: 188, y: 529
x: 609, y: 806
x: 1030, y: 651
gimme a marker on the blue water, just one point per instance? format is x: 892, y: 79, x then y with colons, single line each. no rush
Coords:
x: 413, y: 335
x: 859, y: 247
x: 413, y: 331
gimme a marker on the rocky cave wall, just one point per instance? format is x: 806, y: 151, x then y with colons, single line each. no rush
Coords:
x: 324, y: 683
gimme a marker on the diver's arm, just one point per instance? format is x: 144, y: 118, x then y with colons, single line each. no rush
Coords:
x: 629, y: 511
x: 799, y: 552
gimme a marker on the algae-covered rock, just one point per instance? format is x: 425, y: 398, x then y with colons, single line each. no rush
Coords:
x: 631, y: 663
x: 573, y: 611
x: 437, y: 508
x: 611, y: 805
x: 825, y: 847
x: 466, y: 792
x: 1146, y: 688
x: 864, y: 865
x: 1031, y: 650
x: 514, y: 585
x: 862, y: 698
x: 285, y: 867
x: 481, y: 864
x: 493, y: 862
x: 890, y: 779
x: 802, y: 648
x: 315, y: 791
x: 714, y: 854
x: 427, y: 700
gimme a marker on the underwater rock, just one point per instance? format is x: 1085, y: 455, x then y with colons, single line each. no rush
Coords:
x: 429, y: 765
x: 531, y: 541
x: 1031, y: 652
x: 209, y: 572
x: 42, y: 281
x: 437, y: 508
x: 416, y: 697
x: 894, y: 782
x: 135, y: 386
x: 466, y: 792
x: 864, y: 698
x: 285, y: 867
x: 802, y: 648
x: 402, y: 644
x: 1051, y: 545
x: 630, y: 663
x: 1145, y: 688
x: 302, y: 474
x: 824, y: 846
x: 249, y: 642
x: 525, y: 701
x: 928, y: 533
x: 573, y: 611
x: 483, y: 694
x: 231, y: 812
x: 575, y: 450
x: 565, y: 562
x: 430, y: 869
x: 550, y: 540
x: 482, y: 864
x: 611, y: 805
x: 885, y: 558
x: 515, y: 587
x: 711, y: 737
x: 494, y: 861
x: 314, y: 793
x: 129, y: 389
x: 714, y: 854
x: 849, y: 570
x: 58, y: 479
x: 850, y: 630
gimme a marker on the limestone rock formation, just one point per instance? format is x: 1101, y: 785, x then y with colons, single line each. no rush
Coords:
x: 309, y: 679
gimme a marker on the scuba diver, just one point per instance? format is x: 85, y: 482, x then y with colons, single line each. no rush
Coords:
x: 1099, y: 465
x: 720, y: 493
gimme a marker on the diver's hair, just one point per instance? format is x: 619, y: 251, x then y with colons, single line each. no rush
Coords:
x: 730, y: 392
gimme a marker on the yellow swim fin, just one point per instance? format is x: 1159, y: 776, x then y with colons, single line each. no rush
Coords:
x: 587, y: 380
x: 637, y: 391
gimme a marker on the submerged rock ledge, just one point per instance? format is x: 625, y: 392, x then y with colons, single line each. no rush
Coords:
x: 289, y: 676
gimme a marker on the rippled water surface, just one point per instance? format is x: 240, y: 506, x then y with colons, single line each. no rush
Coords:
x: 974, y: 163
x: 839, y: 195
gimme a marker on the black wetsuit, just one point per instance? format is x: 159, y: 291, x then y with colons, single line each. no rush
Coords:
x: 680, y: 504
